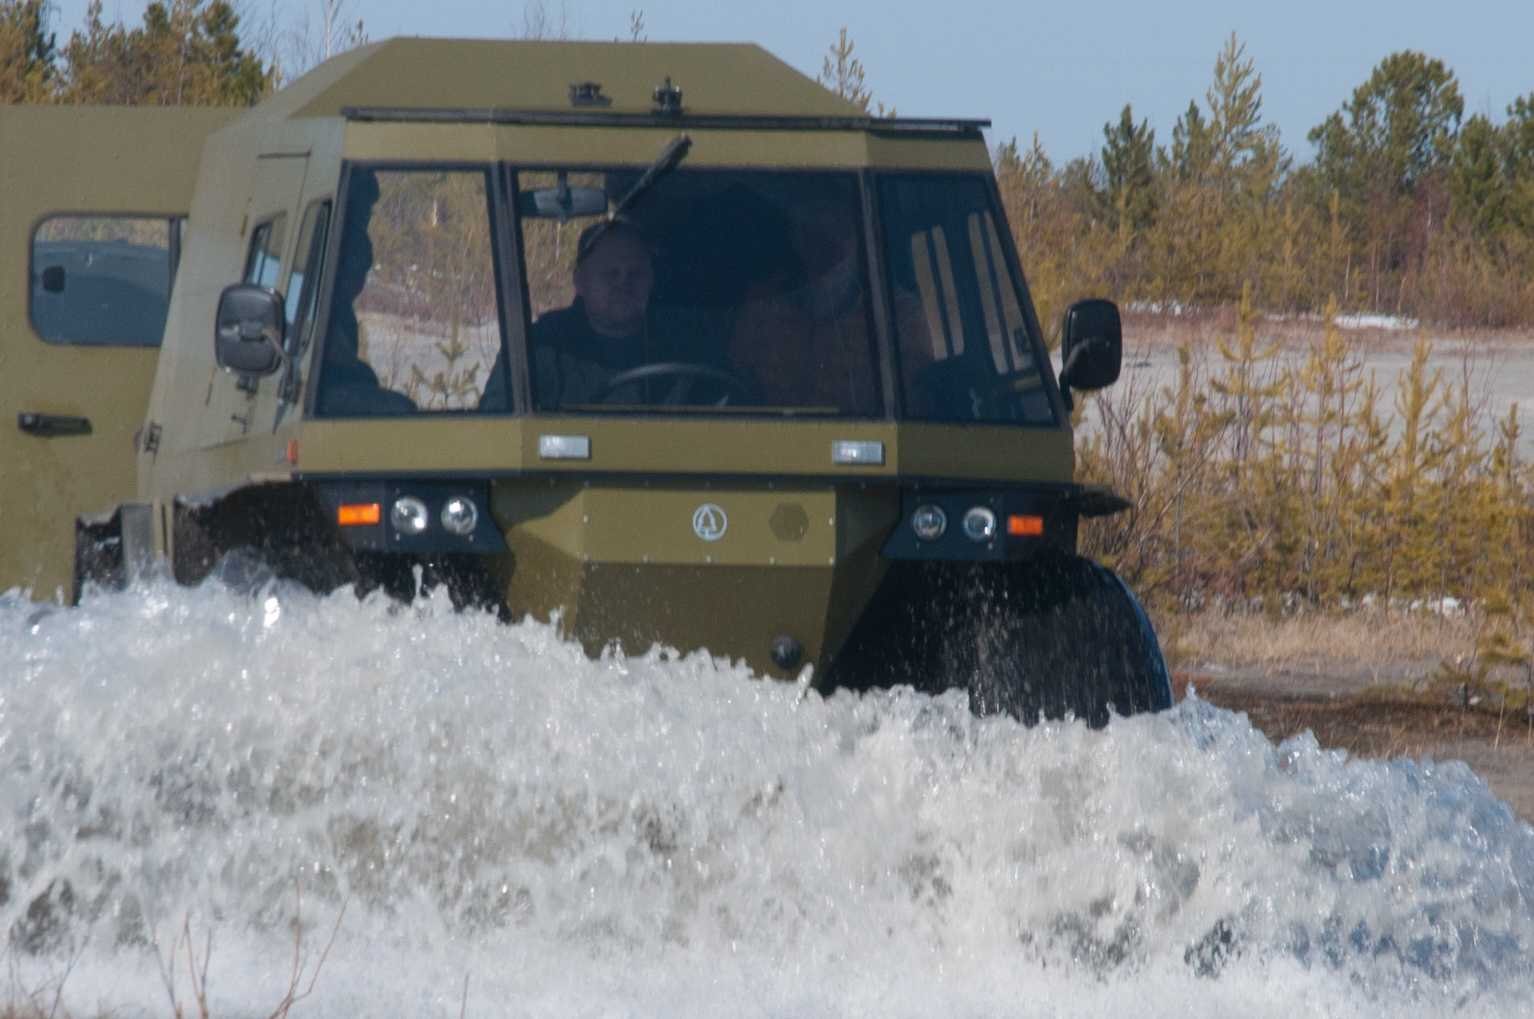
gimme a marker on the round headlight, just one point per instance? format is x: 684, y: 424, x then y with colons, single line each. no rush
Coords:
x: 409, y: 515
x: 929, y: 522
x: 979, y: 524
x: 460, y: 515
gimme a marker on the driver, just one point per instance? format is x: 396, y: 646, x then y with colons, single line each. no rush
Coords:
x: 577, y: 350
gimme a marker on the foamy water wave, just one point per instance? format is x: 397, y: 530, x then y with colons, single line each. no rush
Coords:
x: 490, y: 823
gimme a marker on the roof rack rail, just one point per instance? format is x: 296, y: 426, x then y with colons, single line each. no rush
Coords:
x: 700, y: 121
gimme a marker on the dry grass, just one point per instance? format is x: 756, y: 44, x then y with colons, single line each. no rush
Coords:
x: 1366, y: 641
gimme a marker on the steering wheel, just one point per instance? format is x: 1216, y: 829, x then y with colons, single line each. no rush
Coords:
x: 688, y: 375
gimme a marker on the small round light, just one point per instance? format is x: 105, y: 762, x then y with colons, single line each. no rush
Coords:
x: 929, y: 522
x: 979, y: 524
x: 460, y: 515
x: 409, y: 515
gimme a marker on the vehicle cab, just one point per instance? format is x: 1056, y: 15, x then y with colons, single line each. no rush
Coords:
x: 665, y: 341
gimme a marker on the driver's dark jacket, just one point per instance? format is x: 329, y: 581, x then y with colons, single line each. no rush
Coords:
x: 572, y: 363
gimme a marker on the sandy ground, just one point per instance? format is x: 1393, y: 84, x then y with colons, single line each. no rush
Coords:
x: 1497, y: 364
x: 1375, y: 711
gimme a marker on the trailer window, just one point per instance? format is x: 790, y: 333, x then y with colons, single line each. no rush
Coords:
x: 103, y: 280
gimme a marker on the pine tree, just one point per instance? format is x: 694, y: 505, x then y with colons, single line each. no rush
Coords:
x: 1409, y: 550
x: 1379, y: 150
x: 1518, y: 155
x: 1129, y: 153
x: 1245, y: 404
x: 28, y: 52
x: 186, y: 51
x: 1478, y: 183
x: 1320, y: 410
x: 842, y: 73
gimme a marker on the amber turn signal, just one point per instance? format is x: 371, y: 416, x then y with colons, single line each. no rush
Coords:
x: 1021, y: 525
x: 362, y: 514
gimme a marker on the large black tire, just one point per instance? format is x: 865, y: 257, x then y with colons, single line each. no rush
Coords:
x: 1051, y: 637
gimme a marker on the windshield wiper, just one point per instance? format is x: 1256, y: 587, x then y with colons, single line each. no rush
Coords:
x: 671, y: 156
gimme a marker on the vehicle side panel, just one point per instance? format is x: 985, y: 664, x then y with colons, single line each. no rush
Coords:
x: 60, y: 160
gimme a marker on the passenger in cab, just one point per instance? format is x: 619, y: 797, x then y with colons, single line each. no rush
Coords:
x: 349, y: 387
x: 578, y: 350
x: 804, y: 333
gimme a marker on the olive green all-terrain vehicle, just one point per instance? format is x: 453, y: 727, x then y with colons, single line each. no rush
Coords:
x: 665, y: 341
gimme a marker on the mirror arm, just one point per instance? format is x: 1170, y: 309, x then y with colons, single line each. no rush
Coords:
x: 1067, y: 371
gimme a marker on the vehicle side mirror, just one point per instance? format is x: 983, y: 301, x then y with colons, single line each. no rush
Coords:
x: 248, y: 338
x: 1093, y: 345
x: 53, y: 279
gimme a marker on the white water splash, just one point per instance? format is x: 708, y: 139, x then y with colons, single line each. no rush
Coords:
x: 517, y: 830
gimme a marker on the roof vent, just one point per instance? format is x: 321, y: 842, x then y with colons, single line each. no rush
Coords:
x: 668, y: 99
x: 588, y: 93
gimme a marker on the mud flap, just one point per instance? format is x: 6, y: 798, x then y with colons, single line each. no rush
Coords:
x: 1051, y: 637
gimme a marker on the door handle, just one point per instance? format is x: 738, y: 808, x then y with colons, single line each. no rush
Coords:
x: 52, y: 426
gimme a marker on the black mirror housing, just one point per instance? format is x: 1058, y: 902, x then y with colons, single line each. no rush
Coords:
x: 1093, y: 345
x: 250, y: 331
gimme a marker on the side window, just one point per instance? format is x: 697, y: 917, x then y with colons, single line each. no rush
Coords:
x: 303, y: 281
x: 965, y: 351
x: 265, y: 256
x: 103, y: 280
x: 415, y: 321
x: 1005, y: 330
x: 302, y: 298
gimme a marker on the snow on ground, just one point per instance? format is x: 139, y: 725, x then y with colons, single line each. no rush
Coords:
x: 1374, y: 320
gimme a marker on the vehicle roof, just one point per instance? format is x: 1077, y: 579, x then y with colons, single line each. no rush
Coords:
x: 729, y: 79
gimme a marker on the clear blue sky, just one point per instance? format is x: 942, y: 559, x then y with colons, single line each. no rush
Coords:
x: 1061, y: 69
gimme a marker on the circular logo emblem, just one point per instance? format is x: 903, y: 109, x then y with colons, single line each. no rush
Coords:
x: 709, y: 522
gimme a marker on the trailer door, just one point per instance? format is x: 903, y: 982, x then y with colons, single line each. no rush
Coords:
x: 92, y: 201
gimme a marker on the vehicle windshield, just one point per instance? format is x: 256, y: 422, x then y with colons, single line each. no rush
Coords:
x: 718, y: 292
x: 715, y: 291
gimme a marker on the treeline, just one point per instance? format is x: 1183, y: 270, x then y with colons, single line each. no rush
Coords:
x: 186, y: 51
x: 1407, y: 208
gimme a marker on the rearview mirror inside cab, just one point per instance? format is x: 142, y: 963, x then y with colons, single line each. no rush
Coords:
x: 562, y: 202
x: 250, y: 330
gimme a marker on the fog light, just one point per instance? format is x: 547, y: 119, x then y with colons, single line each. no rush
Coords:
x: 979, y: 524
x: 929, y: 522
x: 409, y: 515
x: 460, y: 516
